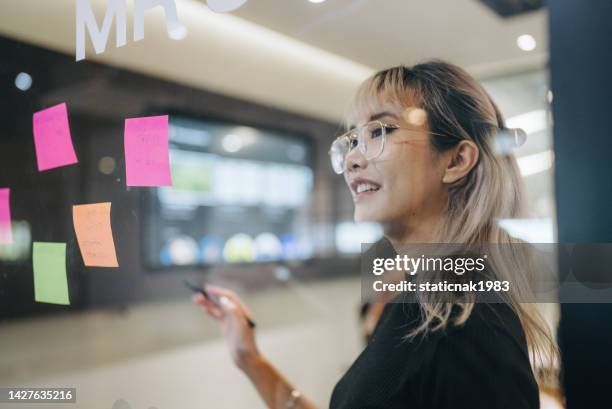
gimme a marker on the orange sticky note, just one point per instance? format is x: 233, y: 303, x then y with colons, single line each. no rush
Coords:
x: 94, y: 234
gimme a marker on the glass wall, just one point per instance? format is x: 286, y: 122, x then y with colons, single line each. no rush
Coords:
x: 252, y: 100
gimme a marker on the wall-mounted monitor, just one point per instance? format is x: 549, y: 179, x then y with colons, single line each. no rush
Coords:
x: 239, y: 195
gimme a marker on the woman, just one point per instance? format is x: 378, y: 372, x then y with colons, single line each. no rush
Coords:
x: 426, y: 168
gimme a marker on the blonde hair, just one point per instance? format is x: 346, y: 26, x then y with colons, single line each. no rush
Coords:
x: 457, y: 107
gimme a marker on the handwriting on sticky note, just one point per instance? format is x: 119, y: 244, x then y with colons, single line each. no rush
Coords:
x: 147, y: 161
x: 52, y: 138
x: 94, y: 234
x: 6, y: 232
x: 50, y: 281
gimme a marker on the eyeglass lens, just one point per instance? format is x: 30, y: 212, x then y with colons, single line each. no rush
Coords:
x: 369, y: 138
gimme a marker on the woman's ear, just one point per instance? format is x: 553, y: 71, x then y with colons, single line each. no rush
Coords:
x: 463, y: 158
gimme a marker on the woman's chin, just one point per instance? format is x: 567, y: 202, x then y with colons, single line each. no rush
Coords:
x: 363, y: 215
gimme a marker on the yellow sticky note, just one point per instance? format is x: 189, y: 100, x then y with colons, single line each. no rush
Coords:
x: 94, y: 234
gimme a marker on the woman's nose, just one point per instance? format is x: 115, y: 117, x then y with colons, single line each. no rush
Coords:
x: 355, y: 160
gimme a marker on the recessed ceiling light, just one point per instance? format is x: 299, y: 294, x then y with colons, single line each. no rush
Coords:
x: 225, y: 6
x: 316, y: 1
x: 23, y: 81
x: 106, y: 165
x: 530, y: 122
x: 536, y: 163
x: 177, y: 32
x: 526, y: 42
x: 232, y: 143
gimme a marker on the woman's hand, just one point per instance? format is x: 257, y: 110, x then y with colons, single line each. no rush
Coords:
x: 231, y: 314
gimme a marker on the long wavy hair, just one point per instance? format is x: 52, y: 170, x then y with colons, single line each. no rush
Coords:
x: 457, y: 107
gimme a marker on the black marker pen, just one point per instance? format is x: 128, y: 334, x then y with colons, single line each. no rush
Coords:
x: 197, y: 289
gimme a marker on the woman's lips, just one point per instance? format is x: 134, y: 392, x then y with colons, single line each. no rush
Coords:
x: 362, y: 188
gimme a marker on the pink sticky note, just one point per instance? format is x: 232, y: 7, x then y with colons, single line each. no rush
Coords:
x: 147, y: 161
x: 52, y: 138
x: 6, y: 233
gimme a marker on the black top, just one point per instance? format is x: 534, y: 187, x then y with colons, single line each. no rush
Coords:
x: 481, y: 364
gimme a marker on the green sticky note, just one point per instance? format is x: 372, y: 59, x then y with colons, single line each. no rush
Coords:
x: 50, y: 282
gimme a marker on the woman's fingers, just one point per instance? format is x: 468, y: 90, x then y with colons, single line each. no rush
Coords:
x: 199, y: 299
x: 224, y: 303
x: 220, y: 291
x: 231, y: 315
x: 208, y: 306
x: 214, y: 312
x: 234, y: 300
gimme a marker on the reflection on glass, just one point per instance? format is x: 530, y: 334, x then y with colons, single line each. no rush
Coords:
x: 19, y: 249
x: 350, y: 236
x: 239, y: 248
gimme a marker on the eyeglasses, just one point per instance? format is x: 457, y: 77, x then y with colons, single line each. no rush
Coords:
x: 370, y: 138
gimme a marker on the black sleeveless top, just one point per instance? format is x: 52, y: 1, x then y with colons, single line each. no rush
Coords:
x: 481, y: 364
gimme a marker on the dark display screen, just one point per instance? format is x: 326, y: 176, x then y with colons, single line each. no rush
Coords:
x: 239, y: 195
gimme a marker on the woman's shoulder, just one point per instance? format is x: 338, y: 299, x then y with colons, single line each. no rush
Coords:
x: 482, y: 363
x: 485, y: 361
x: 492, y: 337
x: 490, y: 325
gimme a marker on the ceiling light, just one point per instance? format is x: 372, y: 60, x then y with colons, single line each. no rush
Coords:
x: 225, y: 6
x: 106, y: 165
x: 530, y: 230
x: 536, y: 163
x: 232, y: 143
x: 177, y: 32
x: 415, y: 116
x: 526, y: 42
x: 530, y: 122
x: 316, y: 1
x: 23, y: 81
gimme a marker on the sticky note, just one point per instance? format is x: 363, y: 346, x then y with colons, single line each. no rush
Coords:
x: 147, y: 162
x: 50, y: 282
x: 94, y: 234
x: 6, y: 232
x: 52, y: 138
